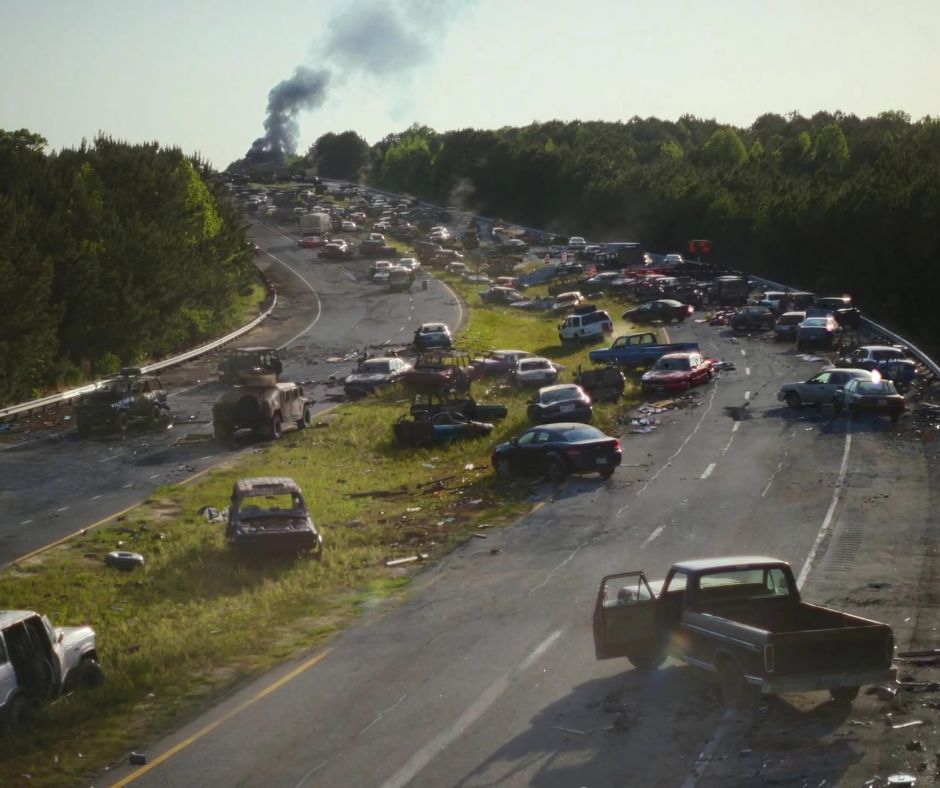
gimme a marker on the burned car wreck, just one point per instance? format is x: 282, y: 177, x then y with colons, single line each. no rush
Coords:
x: 268, y: 515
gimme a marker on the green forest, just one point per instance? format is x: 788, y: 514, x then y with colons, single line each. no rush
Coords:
x: 110, y: 254
x: 830, y: 203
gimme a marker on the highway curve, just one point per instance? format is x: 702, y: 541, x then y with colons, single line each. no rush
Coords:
x: 487, y: 676
x: 54, y: 483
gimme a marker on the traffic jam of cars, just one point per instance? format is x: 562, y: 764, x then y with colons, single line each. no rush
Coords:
x: 660, y: 290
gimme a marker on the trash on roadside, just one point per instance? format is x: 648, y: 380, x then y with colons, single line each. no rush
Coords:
x: 723, y: 366
x: 407, y: 560
x: 915, y: 745
x: 212, y: 514
x: 860, y: 723
x: 478, y: 536
x: 910, y: 724
x: 137, y: 759
x: 883, y: 691
x: 124, y: 560
x: 810, y: 357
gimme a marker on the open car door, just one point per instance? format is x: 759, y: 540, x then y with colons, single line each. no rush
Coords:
x: 625, y: 620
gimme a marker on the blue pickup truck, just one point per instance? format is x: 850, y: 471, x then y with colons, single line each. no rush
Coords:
x: 639, y: 350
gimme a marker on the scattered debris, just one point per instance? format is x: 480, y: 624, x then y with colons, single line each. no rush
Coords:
x: 408, y: 560
x: 860, y: 723
x: 910, y: 724
x: 883, y: 691
x: 810, y: 357
x: 572, y: 730
x: 137, y: 759
x: 905, y: 780
x: 478, y: 536
x: 496, y: 551
x: 413, y: 509
x: 928, y: 652
x: 915, y: 745
x: 377, y: 494
x: 124, y: 560
x: 213, y: 515
x: 724, y: 366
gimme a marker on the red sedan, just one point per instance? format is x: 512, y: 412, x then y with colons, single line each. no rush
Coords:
x: 678, y: 372
x: 312, y: 242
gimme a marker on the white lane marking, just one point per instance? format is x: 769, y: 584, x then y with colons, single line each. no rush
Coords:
x: 113, y: 456
x: 836, y: 496
x: 154, y: 476
x: 312, y: 290
x: 724, y: 451
x: 770, y: 481
x: 95, y: 497
x: 708, y: 471
x: 401, y: 329
x: 737, y: 424
x: 747, y: 370
x: 704, y: 757
x: 129, y: 484
x: 556, y: 568
x: 62, y: 509
x: 474, y: 711
x: 25, y: 522
x: 202, y: 459
x: 743, y: 352
x: 747, y: 395
x: 381, y: 714
x: 676, y: 453
x: 652, y: 537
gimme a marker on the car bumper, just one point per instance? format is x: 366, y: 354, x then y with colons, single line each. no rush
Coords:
x: 821, y: 681
x: 672, y: 385
x: 589, y: 464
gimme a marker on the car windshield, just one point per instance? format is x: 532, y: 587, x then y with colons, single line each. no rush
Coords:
x: 815, y: 322
x: 436, y: 329
x: 788, y: 320
x: 582, y: 432
x: 880, y: 388
x: 374, y: 367
x: 673, y: 364
x: 560, y: 395
x: 528, y: 366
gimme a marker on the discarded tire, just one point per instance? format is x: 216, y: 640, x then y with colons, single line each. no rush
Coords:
x: 124, y: 560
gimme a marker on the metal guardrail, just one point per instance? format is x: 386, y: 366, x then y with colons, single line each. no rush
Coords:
x: 875, y: 328
x: 13, y: 412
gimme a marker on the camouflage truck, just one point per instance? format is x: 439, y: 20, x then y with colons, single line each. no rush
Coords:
x: 248, y: 362
x: 265, y: 406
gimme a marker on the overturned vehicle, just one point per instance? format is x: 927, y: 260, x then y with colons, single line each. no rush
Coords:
x: 427, y: 429
x: 268, y: 514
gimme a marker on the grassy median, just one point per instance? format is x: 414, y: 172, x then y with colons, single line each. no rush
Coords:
x: 195, y: 620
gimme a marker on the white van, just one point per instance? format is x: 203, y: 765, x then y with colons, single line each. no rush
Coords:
x: 588, y: 327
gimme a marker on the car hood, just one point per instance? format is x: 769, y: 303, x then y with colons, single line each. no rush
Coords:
x: 665, y: 374
x: 549, y: 406
x: 371, y: 377
x: 74, y: 636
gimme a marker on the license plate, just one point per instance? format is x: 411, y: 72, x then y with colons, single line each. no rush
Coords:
x: 882, y: 401
x: 601, y: 460
x: 567, y: 407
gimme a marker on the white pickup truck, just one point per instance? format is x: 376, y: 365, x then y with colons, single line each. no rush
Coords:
x: 39, y: 661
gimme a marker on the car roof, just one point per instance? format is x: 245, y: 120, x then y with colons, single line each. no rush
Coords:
x: 729, y: 562
x: 858, y: 372
x: 683, y: 354
x: 10, y: 617
x: 669, y: 301
x: 263, y: 485
x: 535, y: 358
x: 793, y: 314
x: 433, y: 327
x: 559, y: 387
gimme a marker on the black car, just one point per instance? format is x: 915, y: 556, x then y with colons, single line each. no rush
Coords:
x: 749, y: 318
x: 663, y: 310
x: 557, y: 450
x: 562, y: 402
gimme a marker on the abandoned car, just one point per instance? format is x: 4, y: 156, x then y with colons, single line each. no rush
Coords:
x: 430, y: 428
x: 121, y: 401
x: 268, y: 514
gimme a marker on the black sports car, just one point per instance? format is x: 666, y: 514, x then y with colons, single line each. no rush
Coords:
x: 664, y: 310
x: 557, y: 450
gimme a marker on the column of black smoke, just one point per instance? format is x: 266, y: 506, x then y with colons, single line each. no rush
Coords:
x: 305, y: 90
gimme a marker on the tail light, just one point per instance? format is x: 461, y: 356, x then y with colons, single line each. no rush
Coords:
x: 572, y: 452
x: 616, y: 444
x: 769, y: 658
x: 691, y: 309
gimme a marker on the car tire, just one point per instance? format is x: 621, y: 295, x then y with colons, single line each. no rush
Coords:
x: 794, y: 400
x: 21, y: 714
x: 646, y: 659
x: 155, y: 413
x: 606, y: 474
x: 89, y: 674
x: 275, y: 427
x: 843, y: 695
x: 503, y: 468
x: 304, y: 421
x: 124, y: 560
x: 556, y: 471
x: 123, y: 421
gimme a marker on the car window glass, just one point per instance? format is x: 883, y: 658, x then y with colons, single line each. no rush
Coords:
x: 526, y: 438
x: 823, y: 377
x: 3, y: 652
x: 542, y: 436
x: 676, y: 583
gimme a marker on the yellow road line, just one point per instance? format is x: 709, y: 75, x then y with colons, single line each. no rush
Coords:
x: 225, y: 718
x: 99, y: 523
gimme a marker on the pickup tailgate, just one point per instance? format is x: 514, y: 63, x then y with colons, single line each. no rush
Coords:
x: 851, y: 652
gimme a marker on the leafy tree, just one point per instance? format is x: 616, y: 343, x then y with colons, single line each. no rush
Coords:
x: 724, y: 149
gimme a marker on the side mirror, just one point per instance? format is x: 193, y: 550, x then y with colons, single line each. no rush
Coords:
x: 513, y: 442
x: 60, y: 638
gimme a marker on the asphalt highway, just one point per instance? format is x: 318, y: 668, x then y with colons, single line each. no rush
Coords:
x: 486, y: 675
x: 52, y: 483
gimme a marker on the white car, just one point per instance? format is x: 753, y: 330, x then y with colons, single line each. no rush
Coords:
x: 377, y: 237
x: 567, y: 302
x: 535, y: 372
x: 411, y: 263
x: 374, y: 372
x: 576, y: 242
x: 673, y: 259
x: 589, y: 327
x: 378, y: 271
x: 457, y: 268
x: 348, y: 226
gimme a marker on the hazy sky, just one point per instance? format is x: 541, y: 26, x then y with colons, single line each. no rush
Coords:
x: 197, y: 74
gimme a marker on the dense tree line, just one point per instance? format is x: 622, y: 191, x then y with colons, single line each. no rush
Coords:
x: 109, y: 254
x: 832, y: 203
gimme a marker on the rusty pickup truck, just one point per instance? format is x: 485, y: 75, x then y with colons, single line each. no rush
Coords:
x: 743, y: 619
